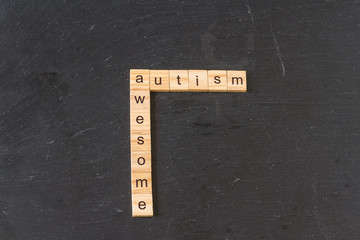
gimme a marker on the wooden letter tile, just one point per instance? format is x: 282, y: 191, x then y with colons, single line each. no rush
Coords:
x: 139, y: 79
x: 140, y: 141
x: 141, y: 161
x: 140, y: 120
x: 140, y: 100
x: 141, y: 183
x: 142, y: 205
x: 159, y: 81
x: 236, y: 81
x: 217, y: 80
x: 198, y: 81
x: 179, y: 80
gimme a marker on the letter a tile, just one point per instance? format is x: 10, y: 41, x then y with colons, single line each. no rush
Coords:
x: 139, y: 79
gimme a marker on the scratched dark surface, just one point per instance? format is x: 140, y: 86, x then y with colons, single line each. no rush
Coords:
x: 281, y: 161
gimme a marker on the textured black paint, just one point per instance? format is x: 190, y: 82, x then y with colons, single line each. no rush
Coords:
x: 281, y: 161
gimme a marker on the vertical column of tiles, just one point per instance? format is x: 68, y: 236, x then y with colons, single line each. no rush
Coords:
x: 236, y: 81
x: 142, y: 203
x: 140, y: 143
x: 140, y: 134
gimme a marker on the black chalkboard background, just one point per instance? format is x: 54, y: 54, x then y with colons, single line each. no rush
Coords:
x: 281, y: 161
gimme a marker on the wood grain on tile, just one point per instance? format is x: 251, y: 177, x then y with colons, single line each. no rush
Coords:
x: 198, y: 81
x: 142, y: 205
x: 141, y: 161
x: 179, y: 80
x: 217, y: 81
x: 140, y: 141
x: 236, y: 81
x: 140, y: 120
x: 141, y: 182
x: 159, y: 81
x: 140, y: 100
x: 139, y: 79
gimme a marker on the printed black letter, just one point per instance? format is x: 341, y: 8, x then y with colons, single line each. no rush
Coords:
x: 140, y: 140
x: 139, y: 119
x: 142, y: 205
x: 139, y: 99
x: 141, y: 161
x: 237, y: 80
x: 178, y: 78
x: 139, y: 79
x: 141, y: 182
x: 158, y: 83
x: 217, y: 79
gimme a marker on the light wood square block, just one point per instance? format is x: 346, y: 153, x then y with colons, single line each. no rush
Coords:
x: 140, y: 100
x: 141, y: 162
x: 217, y: 80
x: 142, y: 205
x: 139, y: 79
x: 236, y: 81
x: 140, y: 120
x: 159, y: 81
x: 198, y: 81
x: 179, y: 80
x: 140, y: 141
x: 141, y: 183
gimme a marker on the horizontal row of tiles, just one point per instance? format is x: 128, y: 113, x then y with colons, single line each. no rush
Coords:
x: 188, y: 80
